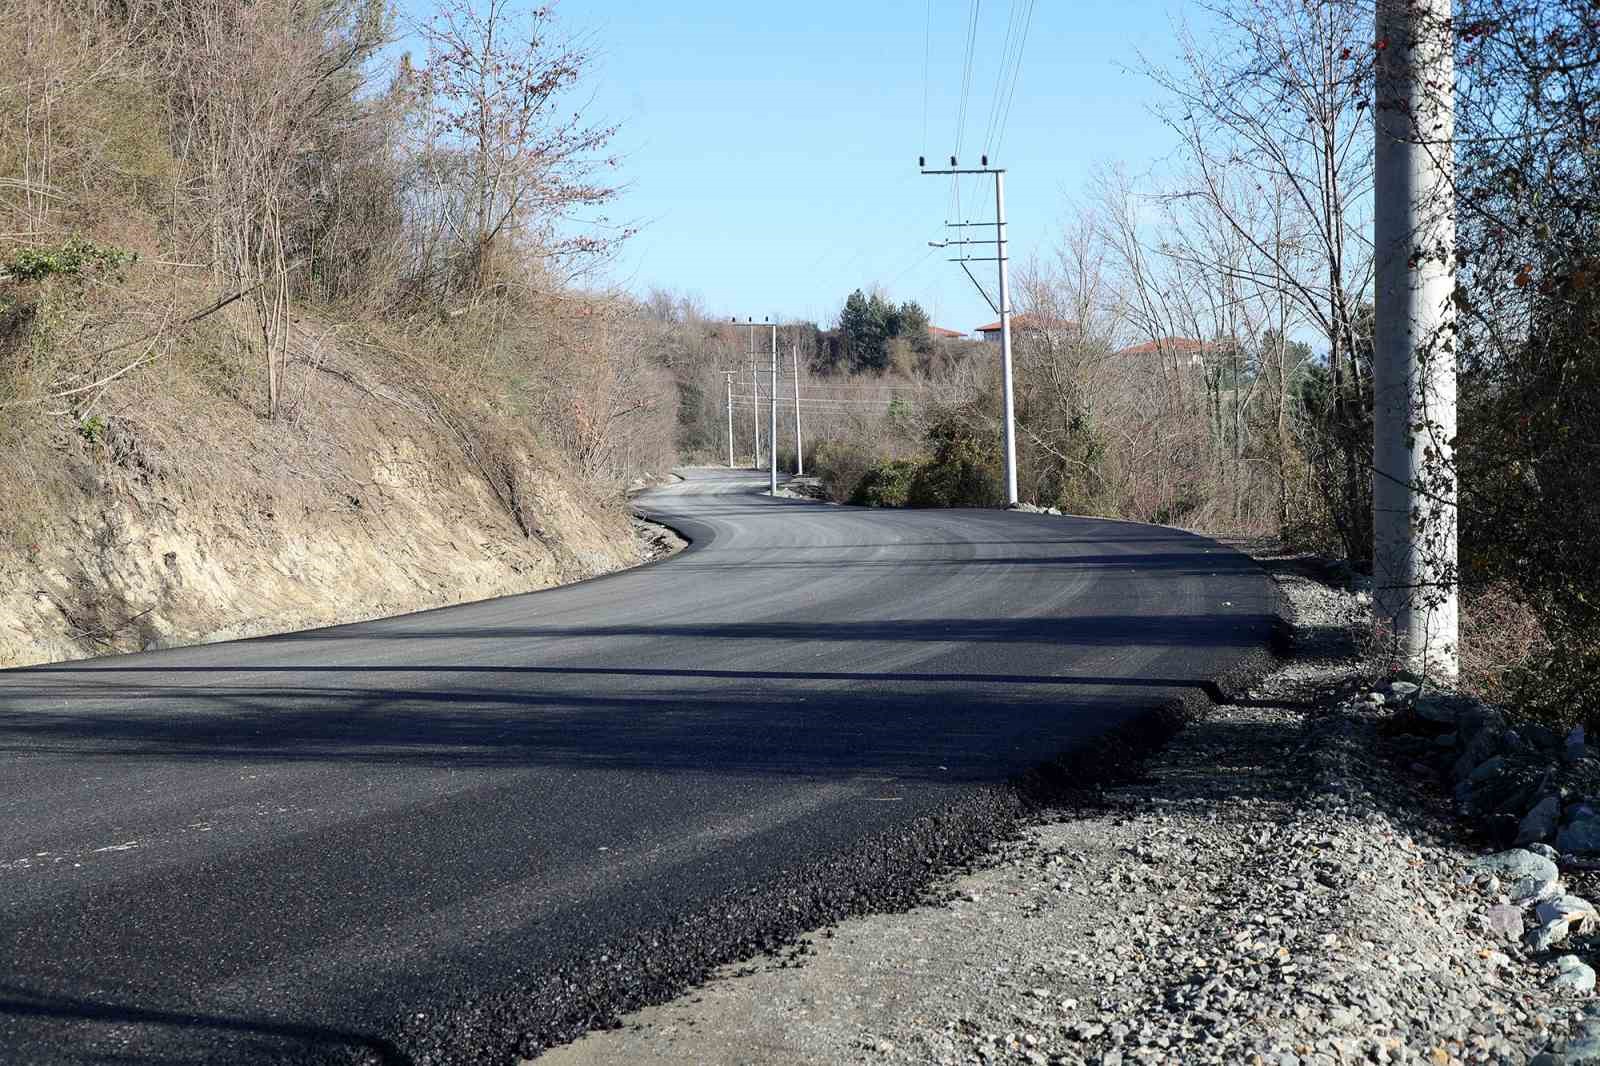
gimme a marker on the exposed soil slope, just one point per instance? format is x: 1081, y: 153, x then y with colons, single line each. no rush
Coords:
x: 178, y: 526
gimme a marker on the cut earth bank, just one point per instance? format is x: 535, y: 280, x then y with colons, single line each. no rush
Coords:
x: 393, y: 514
x: 1285, y: 882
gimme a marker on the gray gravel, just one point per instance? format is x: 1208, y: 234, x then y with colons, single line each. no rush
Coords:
x: 1279, y: 887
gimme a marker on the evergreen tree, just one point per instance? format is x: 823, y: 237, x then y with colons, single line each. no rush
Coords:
x: 915, y: 328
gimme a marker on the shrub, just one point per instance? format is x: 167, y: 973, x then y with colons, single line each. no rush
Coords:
x: 840, y: 466
x: 72, y: 259
x: 886, y: 485
x: 964, y: 470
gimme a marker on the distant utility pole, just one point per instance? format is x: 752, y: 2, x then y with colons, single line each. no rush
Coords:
x: 755, y: 421
x: 1414, y: 342
x: 729, y: 375
x: 772, y: 430
x: 1003, y: 308
x: 799, y: 454
x: 755, y: 392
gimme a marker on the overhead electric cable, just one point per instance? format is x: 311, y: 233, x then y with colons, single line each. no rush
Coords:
x: 966, y: 76
x: 961, y: 113
x: 927, y: 55
x: 998, y: 97
x: 1016, y: 72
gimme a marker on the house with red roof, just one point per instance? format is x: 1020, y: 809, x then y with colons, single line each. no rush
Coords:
x: 1026, y: 324
x: 1183, y: 350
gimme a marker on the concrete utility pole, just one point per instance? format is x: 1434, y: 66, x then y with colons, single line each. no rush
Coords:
x: 755, y: 420
x: 799, y: 454
x: 1003, y: 308
x: 755, y: 392
x: 772, y: 428
x: 1005, y: 335
x: 1414, y: 367
x: 729, y: 377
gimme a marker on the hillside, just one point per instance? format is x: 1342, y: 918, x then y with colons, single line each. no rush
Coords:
x: 278, y: 347
x: 187, y: 522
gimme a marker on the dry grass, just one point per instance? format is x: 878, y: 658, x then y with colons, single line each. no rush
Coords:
x: 1499, y: 633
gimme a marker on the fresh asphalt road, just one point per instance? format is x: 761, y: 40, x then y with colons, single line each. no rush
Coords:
x: 314, y: 841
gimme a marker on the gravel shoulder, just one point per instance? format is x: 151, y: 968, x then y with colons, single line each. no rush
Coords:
x: 1276, y: 885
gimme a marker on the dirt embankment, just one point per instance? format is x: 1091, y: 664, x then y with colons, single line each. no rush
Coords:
x: 159, y: 528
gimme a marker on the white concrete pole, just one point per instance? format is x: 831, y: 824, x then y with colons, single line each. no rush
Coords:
x: 1005, y: 335
x: 772, y: 428
x: 755, y: 407
x: 730, y: 420
x: 1414, y: 370
x: 799, y: 453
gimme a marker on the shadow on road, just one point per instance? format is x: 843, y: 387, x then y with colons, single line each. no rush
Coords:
x: 1200, y: 631
x: 953, y: 724
x: 251, y: 1036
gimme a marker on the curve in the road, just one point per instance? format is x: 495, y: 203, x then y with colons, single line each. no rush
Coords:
x: 471, y: 832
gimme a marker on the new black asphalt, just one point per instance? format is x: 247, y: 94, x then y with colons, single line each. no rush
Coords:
x: 465, y: 834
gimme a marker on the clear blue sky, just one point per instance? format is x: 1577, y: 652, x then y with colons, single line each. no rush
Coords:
x: 770, y: 149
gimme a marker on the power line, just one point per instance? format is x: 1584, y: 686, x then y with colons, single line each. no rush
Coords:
x: 961, y: 113
x: 1016, y: 72
x: 897, y: 278
x: 886, y: 388
x: 966, y: 75
x: 927, y: 54
x: 1000, y: 75
x: 821, y: 401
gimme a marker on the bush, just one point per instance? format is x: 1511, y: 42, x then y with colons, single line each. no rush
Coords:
x: 886, y: 485
x: 1561, y: 686
x: 840, y: 466
x: 964, y: 470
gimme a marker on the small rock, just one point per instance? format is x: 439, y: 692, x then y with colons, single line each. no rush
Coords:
x: 1548, y: 934
x: 1480, y: 745
x: 1434, y: 709
x: 1574, y: 910
x: 1539, y: 823
x: 1506, y: 920
x: 1403, y: 690
x: 1583, y: 1047
x: 1544, y: 850
x: 1581, y: 834
x: 1487, y: 769
x: 1517, y: 865
x: 1573, y: 976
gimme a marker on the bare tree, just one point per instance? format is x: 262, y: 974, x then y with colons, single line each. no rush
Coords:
x: 507, y: 166
x: 1280, y: 91
x: 252, y: 83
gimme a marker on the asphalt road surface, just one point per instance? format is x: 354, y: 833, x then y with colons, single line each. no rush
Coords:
x: 380, y: 841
